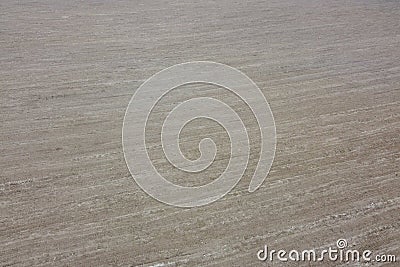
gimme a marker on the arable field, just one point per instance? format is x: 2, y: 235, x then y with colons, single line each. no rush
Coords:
x: 330, y: 71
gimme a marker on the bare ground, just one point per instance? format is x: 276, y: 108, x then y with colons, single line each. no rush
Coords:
x: 329, y: 69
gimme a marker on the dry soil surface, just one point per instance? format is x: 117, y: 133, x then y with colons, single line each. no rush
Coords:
x: 329, y: 69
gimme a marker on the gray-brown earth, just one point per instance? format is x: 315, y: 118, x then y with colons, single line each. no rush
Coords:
x: 329, y: 69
